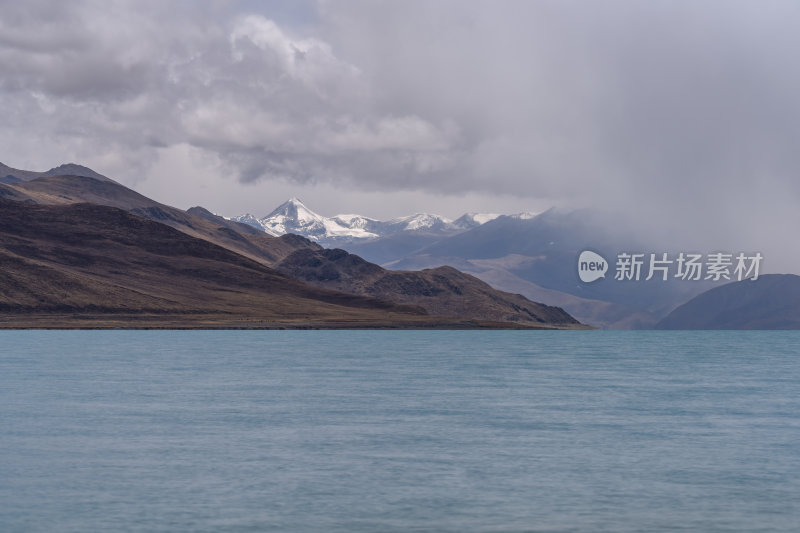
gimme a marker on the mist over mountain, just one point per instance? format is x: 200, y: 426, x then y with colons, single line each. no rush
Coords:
x: 523, y: 253
x: 678, y: 116
x: 530, y: 254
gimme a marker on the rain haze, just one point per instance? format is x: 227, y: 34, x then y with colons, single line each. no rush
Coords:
x: 680, y: 118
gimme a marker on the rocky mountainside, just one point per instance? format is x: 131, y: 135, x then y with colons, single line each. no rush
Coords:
x: 442, y: 291
x: 64, y: 190
x: 478, y: 301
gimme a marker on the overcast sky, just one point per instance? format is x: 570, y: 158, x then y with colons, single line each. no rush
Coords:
x: 682, y: 114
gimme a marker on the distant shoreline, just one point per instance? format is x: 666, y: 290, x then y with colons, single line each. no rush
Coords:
x: 128, y: 322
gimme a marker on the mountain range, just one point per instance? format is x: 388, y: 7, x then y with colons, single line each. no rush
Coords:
x: 81, y: 250
x: 293, y: 216
x: 523, y: 253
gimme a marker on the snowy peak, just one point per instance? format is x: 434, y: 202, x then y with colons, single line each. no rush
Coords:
x: 355, y: 221
x: 421, y: 221
x: 473, y: 220
x: 252, y: 220
x: 294, y: 209
x: 293, y: 216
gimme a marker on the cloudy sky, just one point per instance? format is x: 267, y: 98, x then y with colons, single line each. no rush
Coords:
x: 681, y: 115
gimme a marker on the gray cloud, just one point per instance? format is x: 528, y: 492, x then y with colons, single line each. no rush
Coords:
x: 677, y: 115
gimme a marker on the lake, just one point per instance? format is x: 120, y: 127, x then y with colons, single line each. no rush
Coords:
x: 347, y: 431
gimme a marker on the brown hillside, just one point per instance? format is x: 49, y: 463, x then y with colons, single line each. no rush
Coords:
x: 442, y: 291
x: 93, y: 263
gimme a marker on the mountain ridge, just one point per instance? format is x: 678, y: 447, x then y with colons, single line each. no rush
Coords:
x: 770, y: 302
x: 293, y: 216
x: 13, y: 175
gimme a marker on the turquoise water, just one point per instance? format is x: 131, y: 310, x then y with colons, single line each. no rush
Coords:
x: 399, y: 431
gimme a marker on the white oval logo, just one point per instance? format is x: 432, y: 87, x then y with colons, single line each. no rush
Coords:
x: 591, y: 266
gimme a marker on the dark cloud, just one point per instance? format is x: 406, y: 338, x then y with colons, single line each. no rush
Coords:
x: 678, y: 115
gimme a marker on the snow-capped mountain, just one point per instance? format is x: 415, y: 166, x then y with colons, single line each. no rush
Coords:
x: 252, y: 220
x: 293, y: 216
x: 356, y: 221
x: 418, y: 222
x: 473, y: 220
